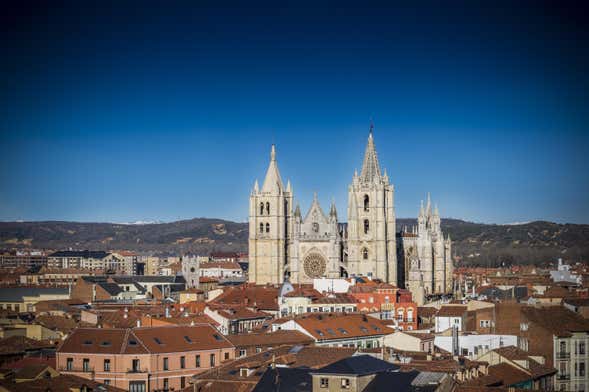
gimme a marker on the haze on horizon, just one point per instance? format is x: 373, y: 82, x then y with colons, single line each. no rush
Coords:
x: 112, y: 113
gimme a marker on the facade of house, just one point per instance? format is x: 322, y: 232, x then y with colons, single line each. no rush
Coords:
x: 143, y: 359
x: 451, y: 316
x: 562, y: 337
x: 410, y: 341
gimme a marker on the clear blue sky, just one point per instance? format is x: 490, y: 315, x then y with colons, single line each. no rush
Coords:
x: 165, y: 112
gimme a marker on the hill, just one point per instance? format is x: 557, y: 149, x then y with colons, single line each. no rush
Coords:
x: 473, y: 243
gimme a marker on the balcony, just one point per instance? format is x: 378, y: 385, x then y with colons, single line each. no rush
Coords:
x: 563, y: 377
x: 563, y: 355
x: 137, y: 370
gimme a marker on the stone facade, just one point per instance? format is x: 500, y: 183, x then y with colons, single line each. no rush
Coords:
x: 283, y: 244
x: 425, y: 256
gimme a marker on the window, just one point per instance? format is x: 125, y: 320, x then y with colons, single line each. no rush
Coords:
x: 523, y: 326
x: 267, y: 227
x: 226, y: 356
x: 197, y: 361
x: 582, y: 369
x: 261, y: 208
x: 366, y: 203
x: 582, y: 348
x: 258, y: 349
x: 485, y: 323
x: 563, y: 346
x: 135, y: 365
x: 212, y: 360
x: 182, y: 362
x: 107, y: 365
x: 86, y: 364
x: 268, y: 208
x: 324, y: 382
x: 166, y: 367
x: 166, y: 384
x: 261, y: 227
x: 182, y: 382
x: 365, y: 254
x: 345, y: 383
x: 106, y: 382
x: 366, y: 226
x: 69, y: 364
x: 242, y: 353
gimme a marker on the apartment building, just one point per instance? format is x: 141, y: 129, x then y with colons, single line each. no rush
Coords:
x: 89, y: 260
x: 143, y: 359
x: 387, y: 302
x: 561, y: 336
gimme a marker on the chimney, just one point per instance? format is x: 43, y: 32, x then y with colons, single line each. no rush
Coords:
x: 167, y: 312
x: 138, y: 323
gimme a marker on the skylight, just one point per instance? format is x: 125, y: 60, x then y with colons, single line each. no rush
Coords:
x: 132, y: 343
x: 157, y: 340
x: 105, y: 344
x: 87, y: 342
x: 343, y: 331
x: 217, y: 337
x: 319, y: 332
x: 188, y: 339
x: 330, y: 331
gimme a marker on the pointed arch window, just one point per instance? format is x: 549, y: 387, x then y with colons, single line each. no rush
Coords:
x: 366, y: 203
x: 261, y: 227
x: 366, y: 226
x: 262, y: 208
x: 267, y: 227
x: 267, y: 208
x: 365, y: 254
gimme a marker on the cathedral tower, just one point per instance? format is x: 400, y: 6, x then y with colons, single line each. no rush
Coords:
x: 371, y: 221
x: 270, y: 227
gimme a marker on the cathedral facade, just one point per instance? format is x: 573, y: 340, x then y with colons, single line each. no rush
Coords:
x: 285, y: 245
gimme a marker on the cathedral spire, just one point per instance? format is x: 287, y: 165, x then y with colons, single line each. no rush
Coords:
x: 256, y: 187
x: 428, y: 207
x: 272, y: 182
x: 370, y: 168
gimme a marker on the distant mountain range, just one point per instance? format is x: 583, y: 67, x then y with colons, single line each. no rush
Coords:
x: 473, y: 243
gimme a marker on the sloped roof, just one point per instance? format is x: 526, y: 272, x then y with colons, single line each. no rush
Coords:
x: 342, y: 326
x: 358, y: 365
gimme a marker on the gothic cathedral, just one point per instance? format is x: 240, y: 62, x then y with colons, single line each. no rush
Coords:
x: 285, y: 245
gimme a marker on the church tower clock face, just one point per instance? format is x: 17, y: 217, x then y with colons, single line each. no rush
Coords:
x: 314, y: 265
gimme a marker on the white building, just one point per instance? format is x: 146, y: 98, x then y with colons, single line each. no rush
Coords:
x: 451, y: 316
x: 474, y: 345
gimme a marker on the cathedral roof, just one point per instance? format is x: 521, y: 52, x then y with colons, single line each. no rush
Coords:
x: 370, y: 168
x: 272, y: 182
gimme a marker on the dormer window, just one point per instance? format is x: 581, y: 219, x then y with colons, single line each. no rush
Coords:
x: 366, y: 203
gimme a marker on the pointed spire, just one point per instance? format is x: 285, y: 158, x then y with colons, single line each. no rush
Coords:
x: 370, y: 168
x: 332, y: 209
x: 288, y: 187
x: 298, y: 211
x: 428, y: 207
x: 272, y: 182
x: 256, y: 187
x: 436, y: 211
x: 421, y: 211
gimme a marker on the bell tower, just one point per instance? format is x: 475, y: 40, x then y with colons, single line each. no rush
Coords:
x: 372, y: 247
x: 270, y: 227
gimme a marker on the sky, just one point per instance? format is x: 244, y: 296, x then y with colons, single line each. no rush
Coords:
x: 126, y: 111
